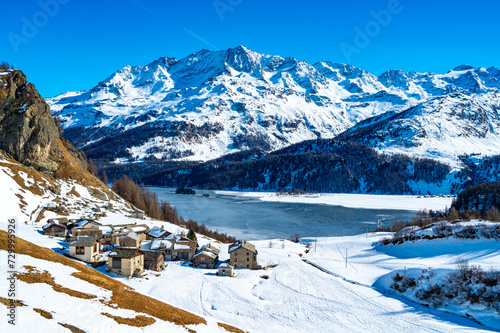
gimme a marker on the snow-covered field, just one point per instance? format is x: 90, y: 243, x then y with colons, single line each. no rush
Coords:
x: 295, y: 296
x: 369, y: 201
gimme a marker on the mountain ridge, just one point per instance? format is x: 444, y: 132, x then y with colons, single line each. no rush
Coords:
x: 211, y: 103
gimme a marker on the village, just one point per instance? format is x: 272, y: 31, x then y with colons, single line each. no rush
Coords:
x: 128, y: 249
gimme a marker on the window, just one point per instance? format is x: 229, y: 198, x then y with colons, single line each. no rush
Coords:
x: 80, y: 250
x: 248, y: 259
x: 248, y: 253
x: 203, y: 259
x: 116, y: 263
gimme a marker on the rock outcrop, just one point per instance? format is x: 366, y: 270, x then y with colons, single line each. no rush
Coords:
x: 30, y: 135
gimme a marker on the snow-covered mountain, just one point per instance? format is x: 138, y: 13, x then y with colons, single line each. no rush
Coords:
x: 442, y: 128
x: 212, y: 103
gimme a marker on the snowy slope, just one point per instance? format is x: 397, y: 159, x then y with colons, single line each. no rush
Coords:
x: 442, y: 128
x: 212, y: 103
x: 296, y: 297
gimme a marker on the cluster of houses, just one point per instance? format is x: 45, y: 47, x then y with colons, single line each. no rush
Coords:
x: 135, y: 247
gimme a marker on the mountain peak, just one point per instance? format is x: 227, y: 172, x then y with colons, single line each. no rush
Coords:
x: 463, y: 68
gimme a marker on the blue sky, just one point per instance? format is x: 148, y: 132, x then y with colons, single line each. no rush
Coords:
x: 76, y: 44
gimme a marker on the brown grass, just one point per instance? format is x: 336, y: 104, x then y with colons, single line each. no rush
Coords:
x: 74, y: 192
x: 34, y: 276
x: 41, y: 215
x: 230, y: 328
x: 15, y: 167
x: 138, y: 321
x: 43, y: 313
x: 6, y: 302
x: 123, y: 296
x: 72, y: 328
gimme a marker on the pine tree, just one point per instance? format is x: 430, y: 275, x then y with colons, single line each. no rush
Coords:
x: 191, y: 234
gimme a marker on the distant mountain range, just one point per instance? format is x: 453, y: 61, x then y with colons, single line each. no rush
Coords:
x: 209, y: 104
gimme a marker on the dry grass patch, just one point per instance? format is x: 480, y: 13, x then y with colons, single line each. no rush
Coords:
x: 123, y: 296
x: 34, y: 276
x: 7, y: 302
x: 138, y: 321
x: 74, y: 192
x: 230, y: 328
x: 72, y: 328
x: 43, y: 313
x: 38, y: 177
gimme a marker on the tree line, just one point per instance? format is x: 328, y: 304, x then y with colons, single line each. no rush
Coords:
x: 148, y: 201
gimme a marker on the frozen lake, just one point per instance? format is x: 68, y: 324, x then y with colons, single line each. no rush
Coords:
x: 252, y: 219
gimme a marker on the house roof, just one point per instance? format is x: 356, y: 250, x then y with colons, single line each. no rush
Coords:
x: 132, y: 235
x: 185, y: 245
x: 209, y: 247
x: 59, y: 219
x: 205, y: 253
x: 83, y: 223
x: 225, y: 265
x: 137, y: 211
x: 242, y: 244
x: 152, y: 255
x: 51, y: 223
x: 155, y: 244
x: 86, y: 241
x: 125, y: 253
x: 157, y: 232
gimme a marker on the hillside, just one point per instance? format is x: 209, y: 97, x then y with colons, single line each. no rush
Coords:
x: 212, y: 103
x: 315, y: 166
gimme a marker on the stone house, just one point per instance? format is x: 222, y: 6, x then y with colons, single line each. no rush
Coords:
x: 85, y: 248
x: 84, y: 224
x: 126, y: 261
x: 242, y: 254
x: 162, y: 245
x: 137, y: 214
x: 130, y: 240
x: 54, y: 228
x: 206, y: 257
x: 183, y: 248
x: 94, y: 232
x: 225, y: 270
x: 154, y: 260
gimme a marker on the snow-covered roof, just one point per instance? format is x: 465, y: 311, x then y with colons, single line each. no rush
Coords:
x: 121, y: 252
x: 139, y: 228
x: 155, y: 244
x: 48, y: 225
x: 157, y: 232
x: 145, y: 245
x: 51, y: 223
x: 132, y: 235
x: 83, y: 223
x: 206, y: 253
x: 181, y: 246
x: 225, y: 265
x: 242, y: 244
x: 209, y: 247
x: 85, y: 241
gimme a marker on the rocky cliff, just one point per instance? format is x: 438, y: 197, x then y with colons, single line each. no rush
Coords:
x: 29, y: 134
